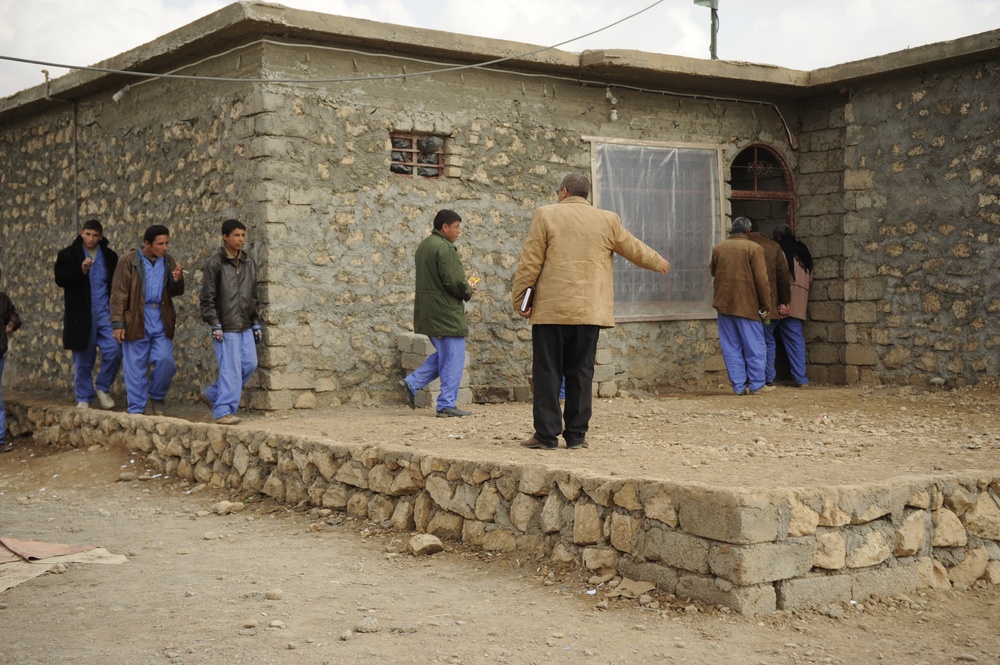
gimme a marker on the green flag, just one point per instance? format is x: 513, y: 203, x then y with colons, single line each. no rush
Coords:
x: 711, y: 4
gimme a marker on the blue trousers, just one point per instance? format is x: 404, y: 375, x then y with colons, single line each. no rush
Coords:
x: 237, y: 357
x: 770, y: 373
x: 743, y: 350
x: 83, y: 361
x: 790, y: 331
x: 153, y: 349
x: 3, y: 409
x: 447, y: 362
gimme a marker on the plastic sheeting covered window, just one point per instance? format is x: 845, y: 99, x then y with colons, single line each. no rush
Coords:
x: 668, y: 197
x: 415, y: 154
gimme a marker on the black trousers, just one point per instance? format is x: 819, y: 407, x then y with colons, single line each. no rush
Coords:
x: 563, y: 351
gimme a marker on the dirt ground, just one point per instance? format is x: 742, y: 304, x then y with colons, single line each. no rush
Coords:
x: 196, y: 584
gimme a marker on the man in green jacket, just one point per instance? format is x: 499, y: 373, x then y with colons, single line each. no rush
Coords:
x: 439, y: 313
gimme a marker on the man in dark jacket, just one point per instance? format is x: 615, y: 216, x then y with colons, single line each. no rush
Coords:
x: 439, y: 313
x: 143, y: 318
x: 9, y: 322
x: 781, y: 293
x: 741, y: 298
x: 84, y: 270
x: 229, y: 305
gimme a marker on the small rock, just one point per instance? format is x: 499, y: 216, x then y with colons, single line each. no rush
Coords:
x: 645, y: 600
x: 691, y: 609
x: 188, y: 593
x: 290, y: 647
x: 274, y: 594
x: 58, y: 568
x: 346, y: 635
x: 424, y: 543
x: 369, y: 624
x: 403, y: 629
x: 127, y: 476
x: 277, y: 623
x: 227, y: 507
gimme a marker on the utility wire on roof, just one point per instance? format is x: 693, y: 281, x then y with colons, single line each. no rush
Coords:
x: 455, y: 68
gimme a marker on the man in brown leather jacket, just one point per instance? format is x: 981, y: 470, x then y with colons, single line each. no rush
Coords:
x: 143, y: 318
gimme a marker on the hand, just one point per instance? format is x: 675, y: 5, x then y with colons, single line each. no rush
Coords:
x: 524, y: 314
x: 87, y: 262
x: 782, y: 311
x: 664, y: 267
x: 118, y: 334
x: 217, y: 334
x: 10, y: 328
x: 258, y: 336
x: 177, y: 272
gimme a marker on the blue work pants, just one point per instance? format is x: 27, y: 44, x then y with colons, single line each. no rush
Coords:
x: 154, y: 349
x: 743, y: 351
x: 101, y: 338
x: 790, y: 332
x: 448, y: 363
x: 237, y: 357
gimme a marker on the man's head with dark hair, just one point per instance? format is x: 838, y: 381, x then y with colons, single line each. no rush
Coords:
x: 445, y: 217
x: 93, y: 225
x: 753, y: 224
x: 153, y: 232
x: 576, y: 184
x: 740, y: 225
x: 231, y: 225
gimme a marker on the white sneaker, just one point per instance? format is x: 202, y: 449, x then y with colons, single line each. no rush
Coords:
x: 105, y: 400
x: 83, y: 405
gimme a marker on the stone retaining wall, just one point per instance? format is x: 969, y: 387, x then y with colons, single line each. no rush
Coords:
x: 753, y: 550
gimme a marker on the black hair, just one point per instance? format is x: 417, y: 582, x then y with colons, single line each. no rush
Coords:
x: 445, y: 216
x: 231, y: 225
x: 93, y: 225
x: 155, y: 231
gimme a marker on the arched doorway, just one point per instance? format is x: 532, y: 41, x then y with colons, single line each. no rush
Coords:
x: 762, y: 188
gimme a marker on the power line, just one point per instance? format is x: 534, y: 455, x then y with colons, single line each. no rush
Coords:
x: 345, y: 79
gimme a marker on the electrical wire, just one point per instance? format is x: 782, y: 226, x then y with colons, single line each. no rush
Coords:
x: 347, y: 79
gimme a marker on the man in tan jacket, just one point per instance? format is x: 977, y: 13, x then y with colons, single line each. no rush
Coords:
x: 567, y: 260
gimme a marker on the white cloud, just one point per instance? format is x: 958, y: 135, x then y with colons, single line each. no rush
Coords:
x: 799, y: 35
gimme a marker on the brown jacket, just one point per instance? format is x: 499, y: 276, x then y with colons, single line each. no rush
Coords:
x: 128, y: 297
x: 569, y: 258
x: 777, y: 272
x: 741, y: 287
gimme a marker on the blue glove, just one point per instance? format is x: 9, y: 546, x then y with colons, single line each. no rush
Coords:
x: 258, y: 336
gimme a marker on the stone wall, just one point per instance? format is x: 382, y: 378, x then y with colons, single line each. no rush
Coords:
x: 922, y: 174
x: 753, y: 550
x: 170, y: 152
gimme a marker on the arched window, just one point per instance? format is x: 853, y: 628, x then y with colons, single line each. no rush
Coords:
x: 762, y: 188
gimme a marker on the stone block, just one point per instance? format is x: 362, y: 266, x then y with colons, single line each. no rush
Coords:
x: 812, y: 591
x: 664, y: 577
x: 731, y: 516
x: 746, y: 565
x: 983, y: 518
x: 674, y: 548
x: 759, y: 599
x: 884, y: 581
x: 587, y: 524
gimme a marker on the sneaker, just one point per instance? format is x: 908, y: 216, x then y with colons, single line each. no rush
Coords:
x: 452, y: 412
x: 228, y: 419
x: 105, y: 400
x: 763, y: 389
x: 83, y: 405
x: 408, y: 395
x: 6, y: 447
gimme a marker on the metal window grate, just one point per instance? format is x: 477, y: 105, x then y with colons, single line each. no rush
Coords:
x: 417, y: 154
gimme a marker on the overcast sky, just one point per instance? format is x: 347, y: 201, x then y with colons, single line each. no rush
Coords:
x: 799, y: 34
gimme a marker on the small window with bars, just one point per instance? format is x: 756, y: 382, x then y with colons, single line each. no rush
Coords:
x: 417, y: 154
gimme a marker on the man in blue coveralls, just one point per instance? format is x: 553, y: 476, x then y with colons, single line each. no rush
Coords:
x: 229, y: 305
x: 143, y: 318
x: 84, y: 270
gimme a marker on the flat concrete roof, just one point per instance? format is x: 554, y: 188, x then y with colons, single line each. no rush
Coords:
x: 243, y: 23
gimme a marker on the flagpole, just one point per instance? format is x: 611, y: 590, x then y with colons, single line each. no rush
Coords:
x: 715, y: 34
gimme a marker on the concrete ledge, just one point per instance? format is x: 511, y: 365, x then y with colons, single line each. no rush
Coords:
x: 754, y: 551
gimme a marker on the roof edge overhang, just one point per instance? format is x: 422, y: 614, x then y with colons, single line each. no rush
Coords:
x: 246, y: 22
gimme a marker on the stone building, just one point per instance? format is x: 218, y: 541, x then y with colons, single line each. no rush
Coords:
x: 336, y: 140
